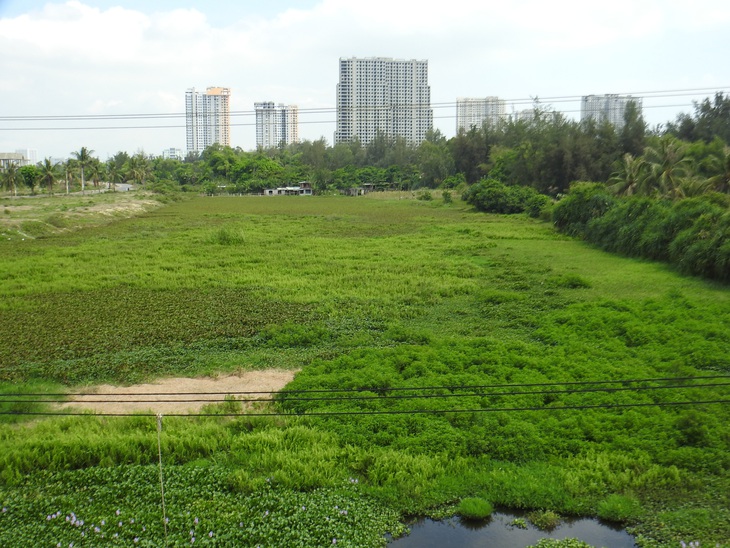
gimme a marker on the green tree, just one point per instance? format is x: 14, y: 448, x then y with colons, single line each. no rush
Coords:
x: 11, y: 177
x: 633, y: 132
x: 667, y: 167
x: 720, y: 165
x: 30, y: 175
x: 628, y: 179
x: 83, y: 159
x: 139, y: 168
x: 48, y: 174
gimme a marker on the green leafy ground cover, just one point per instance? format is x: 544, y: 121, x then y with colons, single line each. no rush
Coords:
x: 376, y: 296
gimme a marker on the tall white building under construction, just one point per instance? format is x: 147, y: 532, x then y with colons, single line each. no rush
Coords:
x: 475, y: 112
x: 383, y: 95
x: 276, y: 125
x: 609, y: 107
x: 207, y: 118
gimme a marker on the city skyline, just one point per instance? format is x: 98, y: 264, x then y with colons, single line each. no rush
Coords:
x: 123, y: 65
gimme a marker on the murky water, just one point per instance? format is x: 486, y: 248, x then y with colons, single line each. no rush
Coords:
x: 497, y: 531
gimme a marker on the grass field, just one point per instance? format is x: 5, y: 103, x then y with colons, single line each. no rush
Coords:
x: 391, y: 298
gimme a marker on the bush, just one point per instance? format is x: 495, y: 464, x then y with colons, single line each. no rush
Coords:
x: 619, y: 508
x: 475, y: 508
x: 492, y: 196
x: 585, y: 202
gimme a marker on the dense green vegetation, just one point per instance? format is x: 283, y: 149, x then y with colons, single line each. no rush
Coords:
x: 383, y: 297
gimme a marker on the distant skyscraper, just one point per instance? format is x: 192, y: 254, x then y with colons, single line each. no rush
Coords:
x: 610, y: 107
x: 383, y: 95
x: 276, y: 124
x: 477, y: 112
x: 207, y: 118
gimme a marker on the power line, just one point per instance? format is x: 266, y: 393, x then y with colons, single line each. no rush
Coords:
x: 446, y: 104
x: 382, y: 412
x: 381, y: 389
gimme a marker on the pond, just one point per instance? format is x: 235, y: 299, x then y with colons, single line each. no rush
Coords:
x: 499, y: 531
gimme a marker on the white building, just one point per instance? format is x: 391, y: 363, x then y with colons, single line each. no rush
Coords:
x: 475, y: 112
x: 383, y: 95
x: 30, y: 154
x: 276, y: 124
x: 610, y: 107
x: 207, y: 118
x: 173, y: 154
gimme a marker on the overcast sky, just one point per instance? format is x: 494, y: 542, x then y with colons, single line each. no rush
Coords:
x: 107, y: 57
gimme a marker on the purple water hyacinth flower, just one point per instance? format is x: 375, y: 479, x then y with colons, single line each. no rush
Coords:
x: 195, y: 521
x: 210, y: 534
x: 334, y: 541
x: 118, y: 511
x: 103, y: 522
x: 192, y: 540
x: 136, y: 540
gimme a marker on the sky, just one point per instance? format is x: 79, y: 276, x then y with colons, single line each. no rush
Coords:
x: 124, y: 57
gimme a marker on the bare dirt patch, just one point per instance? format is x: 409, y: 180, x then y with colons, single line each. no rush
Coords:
x: 179, y: 395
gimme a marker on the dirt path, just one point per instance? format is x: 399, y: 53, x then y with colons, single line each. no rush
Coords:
x: 181, y: 395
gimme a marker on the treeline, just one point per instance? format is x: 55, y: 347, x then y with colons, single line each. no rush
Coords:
x: 545, y: 151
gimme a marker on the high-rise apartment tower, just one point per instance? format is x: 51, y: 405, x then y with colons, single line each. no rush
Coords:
x: 383, y: 95
x: 475, y: 112
x: 276, y: 125
x: 207, y: 118
x: 610, y: 107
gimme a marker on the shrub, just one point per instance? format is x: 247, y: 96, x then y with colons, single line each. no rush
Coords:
x: 475, y: 508
x: 492, y: 196
x: 547, y: 520
x: 446, y: 196
x: 586, y: 201
x: 619, y: 508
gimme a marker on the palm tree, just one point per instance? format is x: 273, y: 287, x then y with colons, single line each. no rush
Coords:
x: 668, y: 167
x: 139, y: 168
x: 627, y: 181
x: 68, y: 169
x: 10, y: 177
x: 721, y: 166
x: 114, y: 173
x: 96, y: 171
x: 48, y: 174
x: 84, y: 159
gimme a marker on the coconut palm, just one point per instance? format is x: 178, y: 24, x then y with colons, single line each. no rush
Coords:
x: 139, y: 168
x: 69, y: 168
x: 667, y: 167
x: 11, y: 177
x: 628, y: 179
x: 48, y: 174
x: 84, y: 160
x: 721, y: 166
x: 96, y: 171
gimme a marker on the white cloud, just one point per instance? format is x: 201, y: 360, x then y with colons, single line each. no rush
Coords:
x: 73, y: 58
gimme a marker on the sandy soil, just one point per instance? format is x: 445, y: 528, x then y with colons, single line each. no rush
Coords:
x: 158, y: 396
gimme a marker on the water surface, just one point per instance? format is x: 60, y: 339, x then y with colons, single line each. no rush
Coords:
x: 497, y: 531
